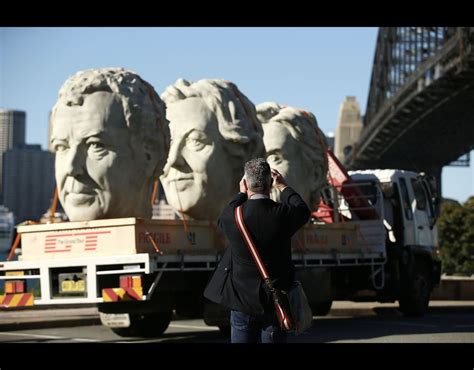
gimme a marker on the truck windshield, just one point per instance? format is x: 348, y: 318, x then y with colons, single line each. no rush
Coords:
x: 431, y: 206
x: 420, y: 194
x: 406, y: 200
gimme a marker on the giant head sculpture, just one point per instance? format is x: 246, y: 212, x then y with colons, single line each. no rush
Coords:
x: 214, y: 132
x: 296, y: 147
x: 111, y: 139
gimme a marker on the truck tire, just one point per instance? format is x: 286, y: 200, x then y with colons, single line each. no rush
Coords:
x: 321, y: 308
x: 225, y: 330
x: 191, y: 312
x: 146, y: 325
x: 415, y: 296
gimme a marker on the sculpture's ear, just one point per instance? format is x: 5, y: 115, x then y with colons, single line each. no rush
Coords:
x: 155, y: 161
x: 237, y: 150
x: 258, y: 150
x: 252, y: 149
x: 150, y: 160
x: 317, y: 179
x: 150, y: 156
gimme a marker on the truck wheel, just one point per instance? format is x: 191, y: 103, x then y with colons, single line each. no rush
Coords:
x: 146, y: 325
x: 191, y: 312
x: 321, y: 308
x: 414, y: 300
x: 225, y: 330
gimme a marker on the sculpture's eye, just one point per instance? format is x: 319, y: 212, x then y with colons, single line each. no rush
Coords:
x: 274, y: 158
x: 195, y: 144
x: 197, y: 141
x: 96, y: 147
x: 60, y: 148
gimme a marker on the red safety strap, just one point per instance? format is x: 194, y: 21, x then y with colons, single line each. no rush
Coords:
x: 239, y: 219
x: 155, y: 193
x: 54, y: 206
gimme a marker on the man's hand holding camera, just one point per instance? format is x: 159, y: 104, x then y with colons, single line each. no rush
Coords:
x: 278, y: 180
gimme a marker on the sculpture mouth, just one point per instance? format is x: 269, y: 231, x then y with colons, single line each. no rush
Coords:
x: 186, y: 178
x: 76, y: 187
x: 182, y: 183
x: 78, y: 199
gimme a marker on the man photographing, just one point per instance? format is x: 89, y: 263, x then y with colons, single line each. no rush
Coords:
x: 270, y: 225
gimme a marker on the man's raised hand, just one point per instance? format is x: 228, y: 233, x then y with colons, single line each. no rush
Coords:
x: 243, y: 185
x: 278, y: 180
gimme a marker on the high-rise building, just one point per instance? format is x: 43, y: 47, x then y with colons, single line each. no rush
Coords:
x: 12, y: 133
x: 349, y: 127
x: 28, y: 181
x: 7, y: 222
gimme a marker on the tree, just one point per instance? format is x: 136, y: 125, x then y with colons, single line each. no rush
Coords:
x: 456, y: 237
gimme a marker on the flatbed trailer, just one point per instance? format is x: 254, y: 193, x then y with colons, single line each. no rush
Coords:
x: 139, y: 271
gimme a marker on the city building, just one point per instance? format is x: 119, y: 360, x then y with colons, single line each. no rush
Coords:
x: 7, y: 224
x: 349, y: 127
x: 12, y: 133
x: 28, y: 181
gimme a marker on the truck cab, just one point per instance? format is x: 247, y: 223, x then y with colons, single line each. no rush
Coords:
x: 409, y: 212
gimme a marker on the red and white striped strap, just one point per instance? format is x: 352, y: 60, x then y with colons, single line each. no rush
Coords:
x: 239, y: 219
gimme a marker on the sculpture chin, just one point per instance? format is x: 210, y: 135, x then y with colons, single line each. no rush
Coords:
x: 194, y: 203
x: 182, y: 184
x: 83, y: 215
x: 182, y: 200
x: 182, y: 192
x: 82, y: 207
x: 79, y: 199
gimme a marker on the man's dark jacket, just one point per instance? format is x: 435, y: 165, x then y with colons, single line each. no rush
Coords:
x: 237, y: 283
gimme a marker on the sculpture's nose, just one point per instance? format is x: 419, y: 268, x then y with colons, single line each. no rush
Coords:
x: 74, y: 162
x: 175, y: 157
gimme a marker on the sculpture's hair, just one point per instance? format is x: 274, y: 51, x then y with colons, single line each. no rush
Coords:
x: 143, y: 109
x: 235, y: 113
x: 303, y: 127
x: 258, y: 175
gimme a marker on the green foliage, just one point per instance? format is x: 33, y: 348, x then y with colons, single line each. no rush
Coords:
x: 456, y: 237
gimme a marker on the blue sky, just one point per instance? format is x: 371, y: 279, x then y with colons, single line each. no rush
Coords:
x: 310, y: 68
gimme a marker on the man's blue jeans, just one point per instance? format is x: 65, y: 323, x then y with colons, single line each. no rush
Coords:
x: 255, y: 328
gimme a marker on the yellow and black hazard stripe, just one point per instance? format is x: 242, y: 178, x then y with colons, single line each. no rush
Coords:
x: 16, y: 300
x: 122, y: 294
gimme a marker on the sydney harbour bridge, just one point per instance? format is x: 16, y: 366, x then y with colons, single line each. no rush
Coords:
x: 420, y: 108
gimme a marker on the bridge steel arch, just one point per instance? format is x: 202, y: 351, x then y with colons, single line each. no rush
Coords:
x: 420, y: 109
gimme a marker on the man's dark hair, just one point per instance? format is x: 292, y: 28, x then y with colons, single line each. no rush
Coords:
x: 258, y: 175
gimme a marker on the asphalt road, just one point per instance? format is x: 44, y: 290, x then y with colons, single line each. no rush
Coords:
x: 382, y: 328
